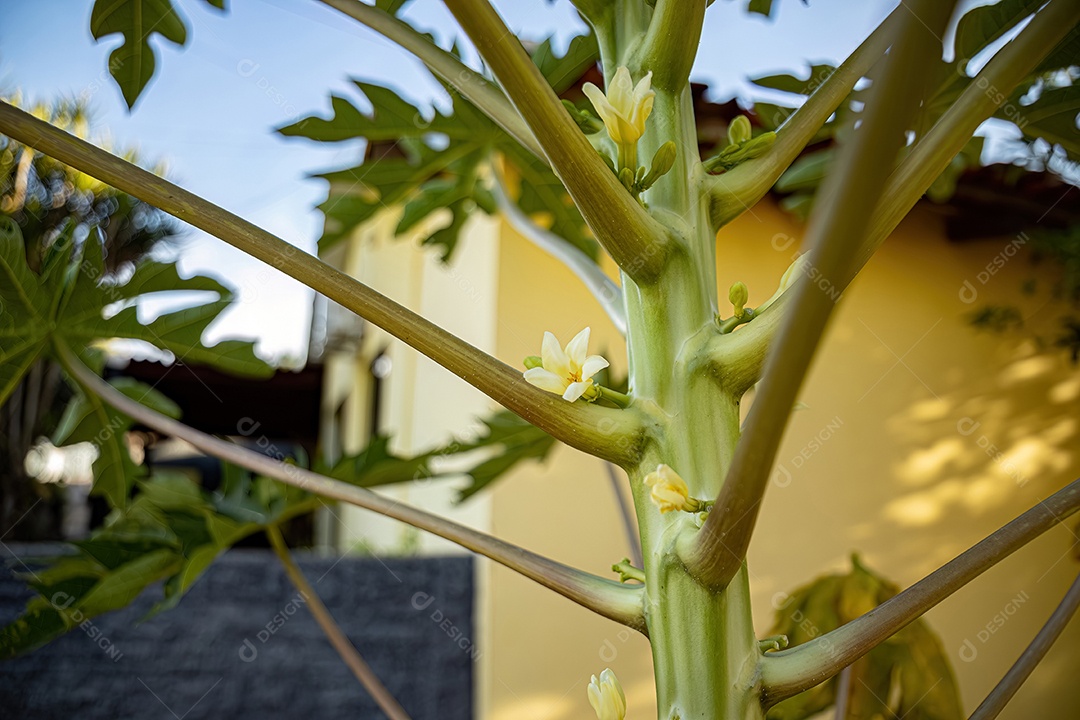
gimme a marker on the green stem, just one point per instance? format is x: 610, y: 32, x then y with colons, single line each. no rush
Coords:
x: 729, y: 324
x: 628, y: 572
x: 670, y: 45
x: 635, y: 241
x: 708, y: 666
x: 836, y: 228
x: 792, y: 671
x: 348, y: 652
x: 704, y: 650
x: 615, y: 397
x: 627, y: 157
x: 595, y: 12
x: 611, y: 434
x: 604, y: 597
x: 474, y: 87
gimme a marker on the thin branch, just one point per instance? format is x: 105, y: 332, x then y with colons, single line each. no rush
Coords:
x: 735, y: 191
x: 843, y: 694
x: 671, y: 42
x: 473, y: 86
x: 603, y: 288
x: 604, y: 597
x: 348, y: 652
x: 791, y: 671
x: 836, y: 229
x: 636, y: 241
x: 608, y: 433
x: 995, y: 702
x: 626, y: 513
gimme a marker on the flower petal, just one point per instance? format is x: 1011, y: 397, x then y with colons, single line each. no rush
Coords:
x: 643, y: 89
x: 577, y: 350
x: 553, y: 357
x: 620, y: 91
x: 607, y: 677
x: 575, y: 390
x: 641, y: 114
x: 668, y: 475
x: 595, y: 697
x: 592, y: 365
x: 546, y: 380
x: 600, y: 103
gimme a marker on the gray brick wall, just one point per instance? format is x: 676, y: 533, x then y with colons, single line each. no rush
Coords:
x: 410, y: 618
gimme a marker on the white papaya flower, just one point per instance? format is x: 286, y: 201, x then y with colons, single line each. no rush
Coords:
x: 624, y: 110
x: 625, y: 107
x: 567, y: 372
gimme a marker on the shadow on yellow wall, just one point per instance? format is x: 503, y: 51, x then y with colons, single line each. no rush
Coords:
x: 918, y: 436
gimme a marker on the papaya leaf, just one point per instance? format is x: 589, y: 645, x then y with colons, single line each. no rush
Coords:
x: 72, y: 304
x: 509, y: 440
x: 786, y: 82
x: 172, y: 529
x: 74, y: 588
x: 428, y: 160
x: 977, y: 30
x: 88, y: 419
x: 515, y: 439
x: 23, y: 310
x: 563, y: 71
x: 1053, y: 117
x: 167, y: 536
x: 82, y: 319
x: 761, y: 7
x: 981, y: 26
x: 132, y: 64
x: 907, y: 676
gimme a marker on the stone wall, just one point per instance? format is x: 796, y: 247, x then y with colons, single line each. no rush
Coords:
x: 242, y: 645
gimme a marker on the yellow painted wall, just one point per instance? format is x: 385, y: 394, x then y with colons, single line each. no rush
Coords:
x: 875, y: 463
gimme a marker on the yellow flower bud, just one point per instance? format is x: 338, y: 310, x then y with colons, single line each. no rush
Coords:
x: 739, y: 131
x: 606, y: 696
x: 669, y: 490
x: 662, y: 162
x: 738, y: 295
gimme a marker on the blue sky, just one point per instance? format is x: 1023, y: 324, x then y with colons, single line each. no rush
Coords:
x: 210, y: 111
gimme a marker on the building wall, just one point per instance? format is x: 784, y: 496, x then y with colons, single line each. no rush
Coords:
x: 423, y: 405
x: 885, y: 459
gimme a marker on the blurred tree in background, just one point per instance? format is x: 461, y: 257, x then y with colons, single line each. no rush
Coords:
x: 54, y: 205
